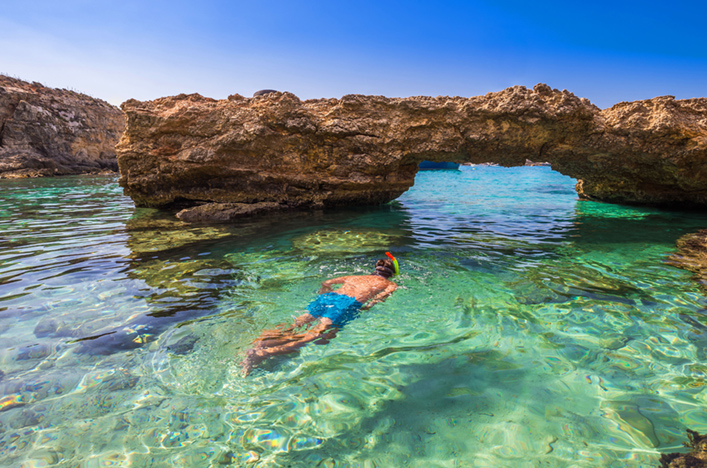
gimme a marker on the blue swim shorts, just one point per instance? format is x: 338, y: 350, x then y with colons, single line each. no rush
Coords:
x: 339, y: 308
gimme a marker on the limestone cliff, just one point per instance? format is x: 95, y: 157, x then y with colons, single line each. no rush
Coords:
x: 277, y: 149
x: 46, y: 132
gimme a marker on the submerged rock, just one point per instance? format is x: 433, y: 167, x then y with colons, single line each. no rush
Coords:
x: 47, y: 132
x: 153, y: 232
x: 225, y: 212
x: 49, y: 326
x: 697, y: 458
x: 692, y: 255
x: 120, y: 380
x: 344, y: 240
x: 26, y: 417
x: 184, y: 345
x: 35, y: 351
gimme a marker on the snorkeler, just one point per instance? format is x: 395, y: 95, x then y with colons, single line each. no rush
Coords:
x: 332, y: 308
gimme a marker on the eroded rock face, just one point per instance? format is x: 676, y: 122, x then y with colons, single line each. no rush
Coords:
x: 652, y: 151
x: 46, y: 132
x: 275, y: 148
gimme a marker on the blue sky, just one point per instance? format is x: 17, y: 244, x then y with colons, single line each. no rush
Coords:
x: 116, y: 50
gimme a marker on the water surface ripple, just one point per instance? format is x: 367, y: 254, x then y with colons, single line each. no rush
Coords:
x: 531, y: 329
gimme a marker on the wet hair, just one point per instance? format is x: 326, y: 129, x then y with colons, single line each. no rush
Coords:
x: 384, y: 268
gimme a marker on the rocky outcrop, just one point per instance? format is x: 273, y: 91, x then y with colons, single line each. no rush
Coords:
x: 46, y: 132
x: 275, y: 148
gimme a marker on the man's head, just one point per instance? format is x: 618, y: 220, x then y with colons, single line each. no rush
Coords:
x: 384, y: 268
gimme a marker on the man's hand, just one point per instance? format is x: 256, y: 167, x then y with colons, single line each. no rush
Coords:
x: 380, y: 297
x: 326, y: 285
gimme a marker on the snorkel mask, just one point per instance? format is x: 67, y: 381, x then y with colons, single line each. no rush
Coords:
x: 395, y: 263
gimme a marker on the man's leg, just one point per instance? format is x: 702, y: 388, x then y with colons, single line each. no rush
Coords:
x: 285, y: 345
x: 282, y: 333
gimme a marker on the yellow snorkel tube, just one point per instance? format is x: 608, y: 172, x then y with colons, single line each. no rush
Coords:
x: 395, y: 262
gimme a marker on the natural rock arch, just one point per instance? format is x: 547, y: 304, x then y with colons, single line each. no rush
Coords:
x: 276, y: 151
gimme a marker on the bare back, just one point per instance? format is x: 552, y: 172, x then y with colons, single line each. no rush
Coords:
x: 363, y: 288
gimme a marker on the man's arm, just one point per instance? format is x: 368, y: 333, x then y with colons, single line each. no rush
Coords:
x: 381, y: 296
x: 326, y: 285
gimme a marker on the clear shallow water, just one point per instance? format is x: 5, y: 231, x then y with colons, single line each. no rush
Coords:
x: 531, y: 329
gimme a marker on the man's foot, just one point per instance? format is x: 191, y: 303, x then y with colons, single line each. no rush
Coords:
x: 303, y: 319
x: 253, y: 357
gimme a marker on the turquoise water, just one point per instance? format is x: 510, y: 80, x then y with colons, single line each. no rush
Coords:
x: 530, y: 329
